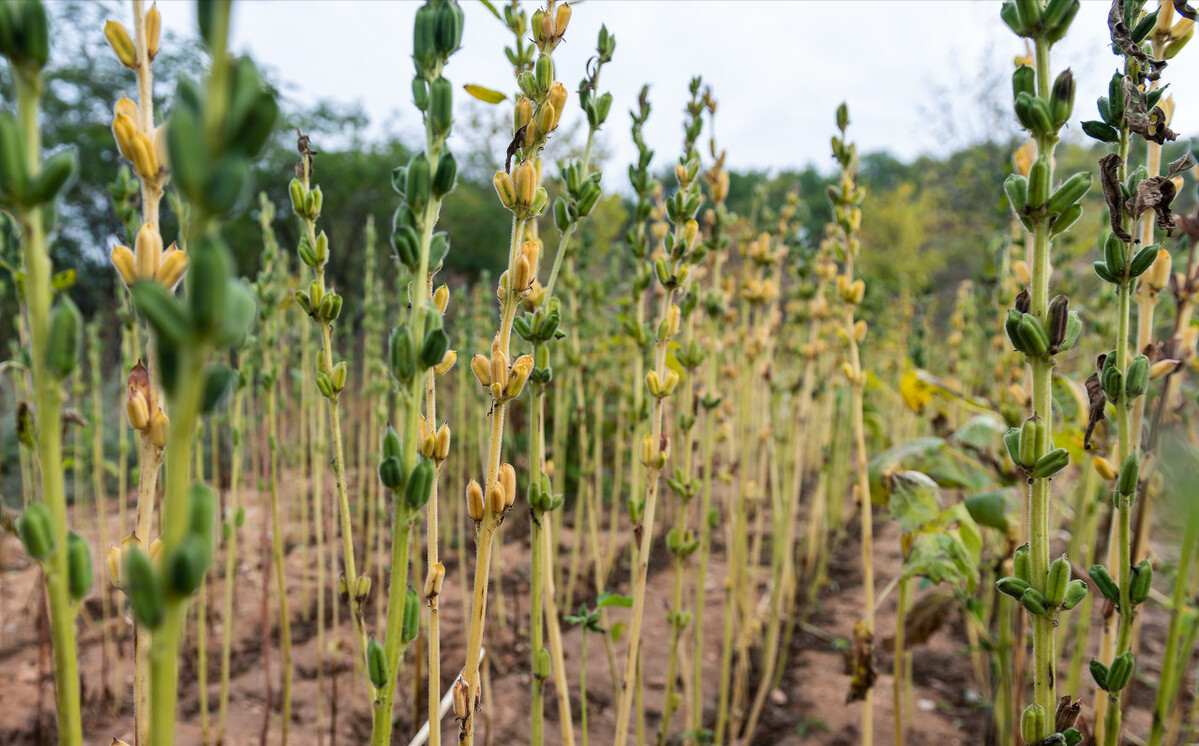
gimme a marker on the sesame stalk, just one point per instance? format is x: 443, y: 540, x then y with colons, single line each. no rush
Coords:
x: 679, y: 251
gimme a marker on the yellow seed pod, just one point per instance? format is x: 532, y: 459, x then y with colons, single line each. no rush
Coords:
x: 849, y: 373
x: 362, y: 588
x: 562, y: 19
x: 690, y: 231
x: 673, y: 316
x: 859, y: 291
x: 433, y: 581
x: 680, y: 174
x: 170, y: 270
x: 121, y: 43
x: 670, y: 382
x: 654, y: 383
x: 428, y: 446
x: 1162, y: 368
x: 1104, y: 468
x: 495, y: 499
x: 526, y: 186
x: 422, y: 427
x: 125, y: 107
x: 137, y: 409
x: 1024, y: 157
x: 859, y: 331
x: 500, y: 372
x: 147, y: 252
x: 1158, y: 276
x: 122, y: 259
x: 507, y: 480
x: 461, y: 697
x: 128, y: 544
x: 155, y: 549
x: 522, y: 275
x: 505, y: 188
x: 557, y: 96
x: 112, y: 563
x: 481, y: 367
x: 160, y: 145
x: 144, y: 159
x: 124, y: 128
x: 1165, y: 16
x: 520, y: 374
x: 153, y: 31
x: 442, y: 449
x: 474, y: 501
x: 447, y: 362
x: 648, y: 452
x: 160, y: 425
x: 546, y: 117
x: 523, y: 114
x: 441, y: 298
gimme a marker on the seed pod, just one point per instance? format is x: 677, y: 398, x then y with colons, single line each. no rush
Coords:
x: 121, y: 43
x: 1011, y: 325
x: 1062, y: 98
x: 1032, y: 333
x: 435, y: 345
x: 1011, y: 440
x: 474, y: 501
x: 544, y: 72
x: 153, y: 31
x: 211, y: 268
x: 53, y: 175
x: 1013, y: 587
x: 1104, y: 468
x: 424, y: 36
x: 1024, y: 80
x: 79, y: 566
x: 186, y: 566
x: 391, y: 473
x: 402, y: 354
x: 461, y: 692
x: 1016, y: 188
x: 200, y: 512
x: 36, y: 529
x: 433, y: 581
x: 1038, y: 180
x: 449, y: 25
x: 1067, y: 218
x: 1050, y: 464
x: 1120, y: 671
x: 64, y: 343
x: 1113, y: 257
x: 1142, y: 261
x: 1126, y: 484
x: 1059, y: 316
x: 1034, y: 601
x: 376, y: 664
x: 507, y: 479
x: 1011, y: 17
x: 411, y: 624
x: 419, y: 181
x: 391, y: 443
x: 1069, y: 192
x: 1029, y: 437
x: 446, y: 175
x: 1058, y: 581
x: 1075, y: 593
x: 1140, y: 582
x: 1032, y: 723
x: 1099, y: 673
x: 1020, y: 563
x: 142, y: 587
x: 420, y: 484
x: 1103, y: 581
x: 1136, y: 379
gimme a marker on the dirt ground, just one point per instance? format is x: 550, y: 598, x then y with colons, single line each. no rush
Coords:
x: 809, y: 705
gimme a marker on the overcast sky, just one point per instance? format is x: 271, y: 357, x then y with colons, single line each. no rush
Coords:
x: 912, y: 72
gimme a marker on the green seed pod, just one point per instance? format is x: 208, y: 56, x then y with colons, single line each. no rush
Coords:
x: 541, y: 664
x: 1101, y: 271
x: 64, y: 344
x: 420, y: 96
x: 1016, y: 188
x: 1099, y: 673
x: 1103, y: 581
x: 376, y: 664
x: 1144, y: 26
x: 324, y: 385
x: 1028, y: 441
x: 306, y: 254
x: 1011, y: 586
x: 1073, y: 328
x: 392, y: 445
x: 402, y: 354
x: 1126, y: 483
x: 391, y: 473
x: 200, y: 512
x: 1142, y: 261
x: 338, y: 377
x: 1057, y: 11
x: 1075, y: 593
x: 36, y: 529
x: 1140, y: 582
x: 1024, y: 80
x: 1071, y: 736
x: 13, y: 174
x: 1101, y: 131
x: 1032, y: 333
x: 223, y: 184
x: 419, y: 183
x: 1062, y: 98
x: 588, y: 197
x: 1120, y: 671
x: 142, y: 587
x: 406, y: 244
x: 561, y: 215
x: 420, y: 484
x: 295, y: 188
x: 1023, y: 108
x: 1051, y: 463
x: 1011, y: 325
x: 1058, y: 581
x: 449, y: 28
x: 164, y: 312
x: 55, y: 172
x: 1011, y: 440
x: 441, y: 107
x: 1042, y: 117
x: 1136, y: 380
x: 79, y: 566
x: 436, y: 343
x: 1034, y: 602
x: 1069, y: 193
x: 1115, y: 95
x: 446, y: 175
x: 544, y: 72
x: 1032, y: 723
x: 411, y: 626
x: 1020, y: 563
x: 186, y: 566
x: 1113, y: 256
x: 209, y: 271
x: 1112, y: 381
x: 424, y: 37
x: 1038, y: 179
x: 33, y: 37
x: 1011, y: 17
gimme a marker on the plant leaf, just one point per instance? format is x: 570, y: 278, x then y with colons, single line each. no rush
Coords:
x: 494, y: 12
x: 915, y: 500
x: 613, y: 599
x: 486, y: 95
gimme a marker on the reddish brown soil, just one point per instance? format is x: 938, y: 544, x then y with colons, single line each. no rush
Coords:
x: 809, y: 706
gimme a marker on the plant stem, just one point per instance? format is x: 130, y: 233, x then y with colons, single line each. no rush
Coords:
x: 233, y: 530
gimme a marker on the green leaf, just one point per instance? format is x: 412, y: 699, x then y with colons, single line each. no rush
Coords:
x: 494, y: 12
x: 980, y: 433
x: 915, y: 500
x: 62, y: 280
x: 991, y: 509
x: 486, y: 95
x: 613, y: 599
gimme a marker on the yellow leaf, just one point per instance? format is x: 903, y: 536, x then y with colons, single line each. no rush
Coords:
x: 486, y: 95
x: 915, y: 392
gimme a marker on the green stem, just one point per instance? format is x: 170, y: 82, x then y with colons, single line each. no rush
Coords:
x: 48, y: 393
x: 402, y: 520
x: 536, y: 603
x: 1172, y: 663
x: 272, y: 419
x: 230, y: 560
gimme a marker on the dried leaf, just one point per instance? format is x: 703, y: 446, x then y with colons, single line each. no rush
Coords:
x: 1109, y: 177
x: 1150, y: 125
x: 1122, y: 40
x: 861, y: 663
x: 1097, y: 404
x: 927, y: 616
x: 1185, y: 10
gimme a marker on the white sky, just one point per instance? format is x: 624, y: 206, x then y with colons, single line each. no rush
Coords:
x: 778, y: 69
